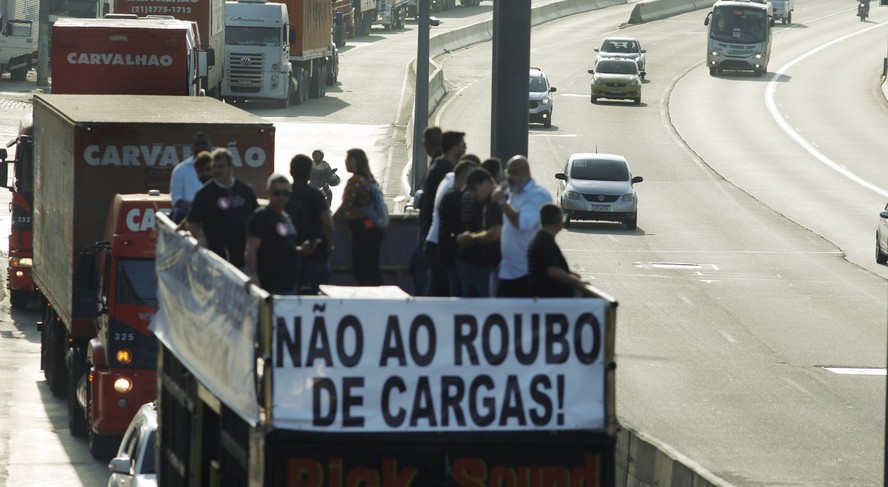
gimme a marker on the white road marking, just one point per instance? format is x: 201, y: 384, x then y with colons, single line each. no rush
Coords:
x: 727, y: 336
x: 855, y: 371
x: 796, y: 385
x: 544, y: 134
x: 794, y: 134
x: 714, y: 267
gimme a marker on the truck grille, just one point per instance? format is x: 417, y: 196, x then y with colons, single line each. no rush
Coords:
x: 244, y: 72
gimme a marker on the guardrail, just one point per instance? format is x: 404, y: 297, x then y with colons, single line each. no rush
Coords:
x: 649, y: 10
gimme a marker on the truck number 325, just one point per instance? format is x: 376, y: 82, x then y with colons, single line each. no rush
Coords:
x: 123, y: 337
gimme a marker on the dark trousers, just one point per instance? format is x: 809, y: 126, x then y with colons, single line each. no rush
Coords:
x: 513, y: 288
x: 438, y: 285
x: 365, y: 248
x: 419, y: 268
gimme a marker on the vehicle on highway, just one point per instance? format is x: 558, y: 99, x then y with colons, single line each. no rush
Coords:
x: 863, y: 10
x: 541, y: 101
x: 882, y: 237
x: 333, y: 65
x: 598, y: 187
x: 617, y: 79
x: 739, y: 37
x: 622, y: 47
x: 134, y: 464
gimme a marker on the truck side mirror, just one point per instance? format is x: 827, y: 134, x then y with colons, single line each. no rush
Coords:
x: 211, y: 57
x: 202, y: 64
x: 706, y: 20
x: 292, y: 38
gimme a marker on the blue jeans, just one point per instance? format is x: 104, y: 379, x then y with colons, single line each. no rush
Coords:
x: 474, y: 280
x: 312, y: 273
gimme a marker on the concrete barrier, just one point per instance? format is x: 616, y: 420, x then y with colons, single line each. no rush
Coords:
x: 649, y: 10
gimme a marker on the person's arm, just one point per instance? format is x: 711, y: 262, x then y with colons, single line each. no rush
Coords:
x: 250, y: 251
x: 565, y: 277
x: 177, y: 189
x: 327, y: 230
x: 196, y: 230
x: 490, y: 235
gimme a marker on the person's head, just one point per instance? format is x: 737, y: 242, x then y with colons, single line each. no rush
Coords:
x: 221, y: 166
x: 317, y: 155
x: 551, y: 218
x: 356, y: 162
x: 300, y: 167
x: 431, y: 141
x: 518, y: 172
x: 461, y: 171
x: 200, y: 143
x: 494, y: 166
x: 480, y: 183
x: 278, y: 187
x: 453, y: 145
x: 471, y: 157
x: 202, y: 162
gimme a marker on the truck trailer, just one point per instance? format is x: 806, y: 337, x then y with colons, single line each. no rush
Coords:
x: 256, y: 61
x: 117, y: 56
x: 369, y: 386
x: 210, y: 18
x: 95, y: 347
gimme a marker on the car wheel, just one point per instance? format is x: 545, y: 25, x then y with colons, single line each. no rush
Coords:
x: 637, y: 101
x: 881, y: 257
x: 548, y: 122
x: 632, y: 222
x: 567, y: 220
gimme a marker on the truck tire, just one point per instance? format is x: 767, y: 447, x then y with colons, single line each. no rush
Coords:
x: 77, y: 424
x: 101, y: 447
x: 19, y: 299
x: 20, y: 74
x: 318, y: 85
x: 55, y: 355
x: 298, y: 98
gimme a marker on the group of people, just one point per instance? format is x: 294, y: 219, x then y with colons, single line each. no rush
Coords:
x: 486, y: 230
x: 286, y: 245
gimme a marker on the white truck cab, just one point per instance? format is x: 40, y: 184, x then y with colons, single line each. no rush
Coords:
x: 257, y: 52
x: 18, y: 48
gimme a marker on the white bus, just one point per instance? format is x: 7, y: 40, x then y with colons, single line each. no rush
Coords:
x: 739, y: 36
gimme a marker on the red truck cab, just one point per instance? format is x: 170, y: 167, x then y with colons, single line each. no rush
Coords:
x: 19, y: 283
x: 123, y: 356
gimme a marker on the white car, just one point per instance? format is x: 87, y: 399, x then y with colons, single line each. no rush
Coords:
x: 134, y: 464
x: 623, y: 47
x: 598, y: 187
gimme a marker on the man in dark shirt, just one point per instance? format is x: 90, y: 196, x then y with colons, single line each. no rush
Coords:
x: 310, y: 213
x: 219, y: 212
x: 478, y: 253
x: 454, y: 146
x: 451, y: 225
x: 550, y: 277
x: 272, y: 255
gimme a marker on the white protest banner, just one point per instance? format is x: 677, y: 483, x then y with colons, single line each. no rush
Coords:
x: 437, y: 365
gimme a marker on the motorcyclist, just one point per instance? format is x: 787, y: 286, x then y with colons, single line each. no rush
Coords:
x: 866, y: 6
x: 322, y: 175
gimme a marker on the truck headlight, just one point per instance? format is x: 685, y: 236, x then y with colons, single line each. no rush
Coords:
x: 758, y: 56
x: 123, y: 385
x: 275, y: 67
x: 20, y: 262
x: 715, y: 53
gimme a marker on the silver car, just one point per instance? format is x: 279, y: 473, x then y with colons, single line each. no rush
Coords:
x: 134, y: 464
x: 882, y: 237
x: 598, y: 187
x: 623, y: 47
x: 541, y: 100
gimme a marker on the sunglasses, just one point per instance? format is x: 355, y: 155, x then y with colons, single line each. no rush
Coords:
x: 280, y: 192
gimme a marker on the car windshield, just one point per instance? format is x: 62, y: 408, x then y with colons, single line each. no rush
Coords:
x: 538, y: 84
x: 617, y: 67
x: 620, y: 46
x: 148, y: 460
x: 599, y: 170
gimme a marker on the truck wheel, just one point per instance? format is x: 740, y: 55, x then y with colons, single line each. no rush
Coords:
x: 285, y: 101
x: 77, y: 424
x: 58, y: 378
x: 300, y: 87
x: 789, y: 18
x: 20, y: 74
x: 19, y: 299
x: 103, y: 448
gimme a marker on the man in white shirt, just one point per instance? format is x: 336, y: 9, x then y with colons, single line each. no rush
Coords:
x: 521, y: 220
x: 184, y: 182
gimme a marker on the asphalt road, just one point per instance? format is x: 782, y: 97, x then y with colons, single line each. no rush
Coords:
x: 752, y: 270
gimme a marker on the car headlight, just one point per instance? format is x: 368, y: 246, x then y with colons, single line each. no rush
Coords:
x: 597, y: 81
x: 573, y: 195
x: 544, y: 101
x: 634, y: 82
x: 628, y: 197
x: 715, y: 53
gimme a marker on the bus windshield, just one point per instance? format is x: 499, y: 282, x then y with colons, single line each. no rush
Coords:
x: 739, y: 25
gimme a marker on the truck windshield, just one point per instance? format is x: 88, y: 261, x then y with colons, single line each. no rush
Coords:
x: 252, y: 36
x: 136, y: 282
x: 16, y: 29
x: 739, y: 25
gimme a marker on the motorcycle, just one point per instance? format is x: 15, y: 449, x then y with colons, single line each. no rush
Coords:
x: 862, y: 11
